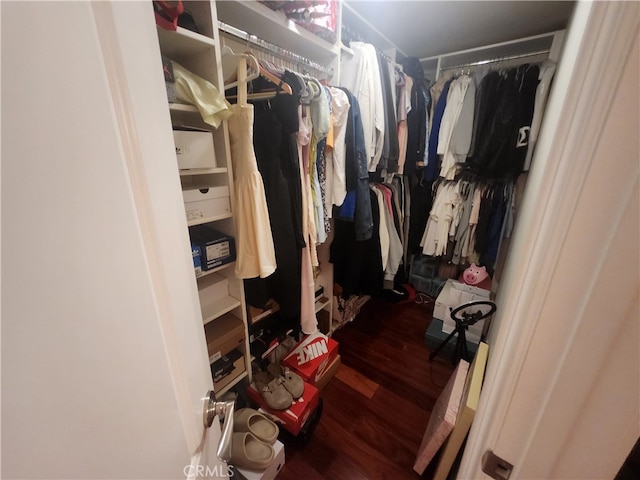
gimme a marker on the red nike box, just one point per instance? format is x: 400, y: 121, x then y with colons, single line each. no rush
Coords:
x: 293, y: 418
x: 312, y: 356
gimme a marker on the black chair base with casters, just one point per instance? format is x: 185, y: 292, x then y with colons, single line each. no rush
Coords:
x: 463, y: 321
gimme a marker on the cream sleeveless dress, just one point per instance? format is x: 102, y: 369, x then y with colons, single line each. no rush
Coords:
x: 254, y: 241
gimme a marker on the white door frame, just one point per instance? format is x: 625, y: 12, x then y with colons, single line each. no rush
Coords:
x: 105, y: 366
x: 595, y: 54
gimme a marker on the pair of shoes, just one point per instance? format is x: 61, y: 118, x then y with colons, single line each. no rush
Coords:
x: 282, y: 350
x: 253, y: 439
x: 273, y: 392
x: 252, y: 421
x: 279, y: 386
x: 291, y: 381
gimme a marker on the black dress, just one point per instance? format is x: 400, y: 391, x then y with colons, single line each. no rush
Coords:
x: 283, y: 285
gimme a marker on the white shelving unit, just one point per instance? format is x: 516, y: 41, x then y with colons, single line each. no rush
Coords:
x: 221, y: 293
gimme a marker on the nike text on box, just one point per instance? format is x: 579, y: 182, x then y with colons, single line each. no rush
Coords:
x: 312, y: 356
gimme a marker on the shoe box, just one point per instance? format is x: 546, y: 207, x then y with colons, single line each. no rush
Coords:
x: 194, y: 149
x: 207, y: 202
x: 227, y: 368
x: 271, y: 471
x: 196, y: 254
x: 223, y: 335
x: 312, y: 356
x: 293, y: 418
x: 454, y: 294
x: 329, y: 373
x: 216, y: 248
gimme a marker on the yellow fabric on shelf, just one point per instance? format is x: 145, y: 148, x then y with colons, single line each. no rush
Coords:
x: 197, y: 91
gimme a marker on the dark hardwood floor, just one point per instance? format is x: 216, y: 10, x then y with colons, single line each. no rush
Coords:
x: 376, y: 408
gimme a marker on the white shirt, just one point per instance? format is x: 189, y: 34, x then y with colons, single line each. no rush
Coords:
x: 455, y: 101
x: 340, y: 112
x: 360, y: 75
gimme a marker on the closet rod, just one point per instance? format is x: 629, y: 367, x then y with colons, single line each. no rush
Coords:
x: 495, y: 60
x: 275, y: 49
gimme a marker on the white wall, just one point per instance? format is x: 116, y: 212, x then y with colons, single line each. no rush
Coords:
x: 88, y: 388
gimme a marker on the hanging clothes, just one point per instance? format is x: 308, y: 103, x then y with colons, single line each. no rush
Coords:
x: 286, y: 109
x: 417, y: 117
x: 432, y: 169
x: 360, y: 75
x: 357, y: 204
x: 254, y: 241
x: 357, y: 264
x: 404, y: 86
x: 526, y: 84
x: 502, y: 127
x: 336, y: 155
x: 547, y: 71
x: 443, y: 219
x: 283, y: 285
x: 449, y: 122
x: 394, y: 245
x: 308, y: 320
x: 389, y: 160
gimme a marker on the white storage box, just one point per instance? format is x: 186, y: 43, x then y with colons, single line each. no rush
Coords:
x: 453, y: 295
x: 194, y: 149
x: 272, y: 470
x: 206, y: 203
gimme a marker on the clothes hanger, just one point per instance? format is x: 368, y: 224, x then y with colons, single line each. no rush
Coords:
x: 282, y: 86
x: 307, y: 93
x: 314, y: 86
x: 230, y: 67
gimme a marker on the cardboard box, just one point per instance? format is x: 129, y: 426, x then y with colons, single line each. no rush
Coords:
x: 227, y: 368
x: 194, y: 149
x: 329, y: 373
x: 311, y: 357
x: 216, y: 248
x: 453, y: 295
x: 293, y: 418
x: 272, y: 470
x: 206, y: 203
x: 223, y: 335
x: 256, y: 314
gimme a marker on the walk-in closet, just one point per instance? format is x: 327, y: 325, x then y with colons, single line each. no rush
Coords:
x: 320, y: 239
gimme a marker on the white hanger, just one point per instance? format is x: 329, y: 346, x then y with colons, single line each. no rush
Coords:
x: 230, y: 67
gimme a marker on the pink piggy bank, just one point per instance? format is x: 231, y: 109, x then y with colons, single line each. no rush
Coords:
x: 474, y: 275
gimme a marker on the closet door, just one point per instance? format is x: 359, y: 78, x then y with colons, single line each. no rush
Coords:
x: 104, y: 360
x: 561, y: 397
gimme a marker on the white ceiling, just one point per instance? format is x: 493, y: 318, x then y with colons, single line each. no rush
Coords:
x: 426, y: 28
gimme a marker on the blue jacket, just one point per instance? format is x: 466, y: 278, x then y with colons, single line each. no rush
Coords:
x: 357, y: 204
